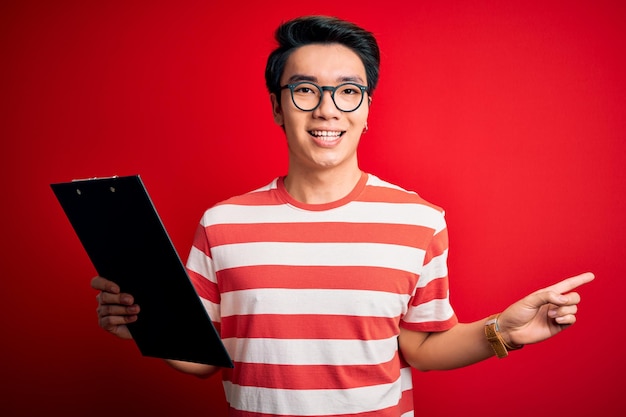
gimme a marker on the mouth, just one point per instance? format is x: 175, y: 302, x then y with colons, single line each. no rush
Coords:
x: 327, y: 136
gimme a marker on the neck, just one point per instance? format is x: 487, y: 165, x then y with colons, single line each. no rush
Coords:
x: 321, y: 187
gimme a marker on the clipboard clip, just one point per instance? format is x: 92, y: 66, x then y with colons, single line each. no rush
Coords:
x: 79, y: 192
x: 95, y: 178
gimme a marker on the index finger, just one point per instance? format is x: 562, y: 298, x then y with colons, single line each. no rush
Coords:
x: 569, y: 284
x: 103, y: 284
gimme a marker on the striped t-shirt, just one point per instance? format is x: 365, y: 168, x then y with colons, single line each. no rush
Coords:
x: 309, y: 299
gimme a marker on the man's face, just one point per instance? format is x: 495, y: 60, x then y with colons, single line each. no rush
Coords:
x: 326, y: 137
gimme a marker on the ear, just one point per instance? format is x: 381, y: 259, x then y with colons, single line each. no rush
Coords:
x: 277, y: 110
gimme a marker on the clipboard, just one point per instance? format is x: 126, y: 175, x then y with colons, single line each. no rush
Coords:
x: 124, y: 237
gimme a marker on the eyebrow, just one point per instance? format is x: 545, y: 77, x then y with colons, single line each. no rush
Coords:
x: 345, y: 79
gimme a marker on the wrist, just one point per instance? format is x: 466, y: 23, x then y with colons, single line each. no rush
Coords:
x: 498, y: 343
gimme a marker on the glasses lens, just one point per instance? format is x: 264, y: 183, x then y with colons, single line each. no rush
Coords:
x: 306, y: 96
x: 348, y: 97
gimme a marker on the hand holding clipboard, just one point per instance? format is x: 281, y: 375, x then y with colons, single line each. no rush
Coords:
x: 120, y: 229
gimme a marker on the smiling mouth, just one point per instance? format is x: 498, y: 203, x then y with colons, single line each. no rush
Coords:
x: 327, y: 135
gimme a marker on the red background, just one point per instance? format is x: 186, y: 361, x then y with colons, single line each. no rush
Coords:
x: 510, y: 115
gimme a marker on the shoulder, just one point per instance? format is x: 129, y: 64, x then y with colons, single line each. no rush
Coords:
x: 383, y: 191
x: 398, y: 205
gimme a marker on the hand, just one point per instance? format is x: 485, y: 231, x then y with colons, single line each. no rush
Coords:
x: 543, y: 313
x: 115, y: 309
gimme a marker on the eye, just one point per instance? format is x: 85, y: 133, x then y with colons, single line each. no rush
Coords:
x: 303, y: 90
x: 350, y: 90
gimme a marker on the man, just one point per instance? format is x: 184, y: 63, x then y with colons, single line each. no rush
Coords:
x: 329, y: 282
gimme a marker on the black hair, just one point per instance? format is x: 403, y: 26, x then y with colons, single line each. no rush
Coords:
x: 308, y: 30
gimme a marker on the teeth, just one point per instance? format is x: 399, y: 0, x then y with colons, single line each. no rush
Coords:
x: 326, y: 133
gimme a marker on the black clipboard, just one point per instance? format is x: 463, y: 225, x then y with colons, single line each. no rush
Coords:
x: 125, y: 239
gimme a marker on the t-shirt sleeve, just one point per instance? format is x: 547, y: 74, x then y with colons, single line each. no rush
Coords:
x: 429, y: 308
x: 202, y: 274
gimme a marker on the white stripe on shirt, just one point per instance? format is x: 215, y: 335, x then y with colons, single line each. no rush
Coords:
x: 434, y: 310
x: 403, y: 258
x: 312, y: 351
x: 354, y: 212
x: 436, y: 268
x: 201, y: 264
x: 361, y: 303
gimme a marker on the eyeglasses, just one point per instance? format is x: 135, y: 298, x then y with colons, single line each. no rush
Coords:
x: 307, y: 96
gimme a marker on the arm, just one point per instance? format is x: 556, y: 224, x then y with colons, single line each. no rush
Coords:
x: 116, y: 310
x: 462, y: 345
x: 532, y: 319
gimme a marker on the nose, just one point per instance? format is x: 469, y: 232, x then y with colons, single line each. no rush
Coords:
x: 327, y: 108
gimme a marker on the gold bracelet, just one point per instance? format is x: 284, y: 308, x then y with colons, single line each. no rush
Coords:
x: 495, y: 339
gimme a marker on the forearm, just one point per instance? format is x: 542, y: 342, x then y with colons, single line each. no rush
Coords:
x: 463, y: 345
x: 534, y: 318
x: 191, y: 368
